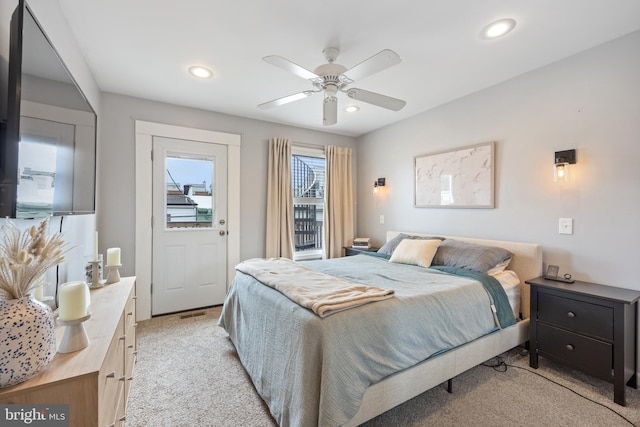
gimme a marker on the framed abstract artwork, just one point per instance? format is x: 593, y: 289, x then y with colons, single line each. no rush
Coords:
x: 459, y: 178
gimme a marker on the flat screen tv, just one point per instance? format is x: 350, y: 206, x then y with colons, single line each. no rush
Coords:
x: 48, y: 149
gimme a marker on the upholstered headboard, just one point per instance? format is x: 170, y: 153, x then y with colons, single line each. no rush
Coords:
x: 526, y: 261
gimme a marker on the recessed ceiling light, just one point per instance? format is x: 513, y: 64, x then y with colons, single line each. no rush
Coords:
x: 200, y: 72
x: 498, y: 28
x: 351, y: 108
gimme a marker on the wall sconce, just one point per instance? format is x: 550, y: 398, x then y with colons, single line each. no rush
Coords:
x: 561, y: 162
x: 380, y: 182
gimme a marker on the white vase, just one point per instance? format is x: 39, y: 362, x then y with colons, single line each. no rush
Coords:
x: 27, y: 339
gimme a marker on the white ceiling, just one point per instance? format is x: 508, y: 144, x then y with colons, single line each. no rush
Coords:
x: 143, y: 48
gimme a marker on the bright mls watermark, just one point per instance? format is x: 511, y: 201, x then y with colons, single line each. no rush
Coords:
x: 34, y: 415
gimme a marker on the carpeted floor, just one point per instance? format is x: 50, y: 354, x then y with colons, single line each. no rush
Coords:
x: 188, y: 374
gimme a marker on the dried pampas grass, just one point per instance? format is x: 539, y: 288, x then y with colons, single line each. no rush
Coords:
x: 26, y: 256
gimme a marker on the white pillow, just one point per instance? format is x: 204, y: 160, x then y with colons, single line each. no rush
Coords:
x: 499, y: 268
x: 415, y: 252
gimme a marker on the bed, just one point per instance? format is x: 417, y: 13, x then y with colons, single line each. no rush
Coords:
x: 352, y: 365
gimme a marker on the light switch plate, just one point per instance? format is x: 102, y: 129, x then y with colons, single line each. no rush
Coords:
x: 381, y: 219
x: 565, y: 226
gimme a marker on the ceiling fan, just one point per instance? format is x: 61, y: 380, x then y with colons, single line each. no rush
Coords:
x: 331, y: 78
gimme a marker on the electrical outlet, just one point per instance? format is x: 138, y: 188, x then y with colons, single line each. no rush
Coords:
x: 565, y: 226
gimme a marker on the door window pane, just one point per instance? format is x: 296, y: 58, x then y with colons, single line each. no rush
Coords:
x: 190, y: 192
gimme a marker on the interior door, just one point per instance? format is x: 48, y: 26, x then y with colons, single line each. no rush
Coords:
x: 189, y: 225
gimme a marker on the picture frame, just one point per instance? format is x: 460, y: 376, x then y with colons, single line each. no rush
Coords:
x: 552, y: 271
x: 458, y: 178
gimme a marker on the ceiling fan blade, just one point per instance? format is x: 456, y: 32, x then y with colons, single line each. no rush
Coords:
x: 383, y: 101
x: 378, y: 62
x: 330, y: 111
x: 285, y: 100
x: 287, y: 65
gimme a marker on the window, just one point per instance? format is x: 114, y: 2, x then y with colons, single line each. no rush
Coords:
x: 189, y: 191
x: 37, y: 178
x: 308, y: 180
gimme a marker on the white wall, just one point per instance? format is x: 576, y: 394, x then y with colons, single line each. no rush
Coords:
x: 116, y: 179
x: 590, y: 102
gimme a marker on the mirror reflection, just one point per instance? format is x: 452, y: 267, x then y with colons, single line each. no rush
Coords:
x: 56, y: 164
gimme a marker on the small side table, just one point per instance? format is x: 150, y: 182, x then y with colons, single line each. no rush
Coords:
x: 588, y: 327
x: 350, y: 251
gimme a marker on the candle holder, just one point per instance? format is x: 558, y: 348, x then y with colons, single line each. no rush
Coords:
x: 93, y: 273
x: 113, y: 273
x: 75, y: 337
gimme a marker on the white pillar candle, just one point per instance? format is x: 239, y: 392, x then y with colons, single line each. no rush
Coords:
x: 113, y: 257
x: 39, y: 293
x: 39, y: 290
x: 74, y: 300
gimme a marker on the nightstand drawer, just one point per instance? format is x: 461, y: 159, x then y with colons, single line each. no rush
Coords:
x: 592, y: 319
x: 589, y: 355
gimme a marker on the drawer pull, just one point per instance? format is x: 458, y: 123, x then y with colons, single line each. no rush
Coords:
x: 122, y: 378
x: 571, y: 314
x: 111, y: 374
x: 135, y: 353
x: 130, y: 378
x: 122, y: 338
x: 130, y: 346
x: 130, y: 313
x: 569, y: 347
x: 123, y: 418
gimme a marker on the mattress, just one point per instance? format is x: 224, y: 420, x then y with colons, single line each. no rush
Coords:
x: 511, y: 284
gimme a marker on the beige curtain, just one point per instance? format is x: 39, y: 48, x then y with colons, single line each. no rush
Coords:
x: 338, y: 212
x: 279, y: 239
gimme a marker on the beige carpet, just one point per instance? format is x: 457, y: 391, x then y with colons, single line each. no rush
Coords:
x: 188, y: 374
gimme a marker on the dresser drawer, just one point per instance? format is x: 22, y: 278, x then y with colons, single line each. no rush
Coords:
x: 130, y: 312
x: 130, y: 341
x: 111, y: 377
x: 591, y: 319
x: 587, y: 354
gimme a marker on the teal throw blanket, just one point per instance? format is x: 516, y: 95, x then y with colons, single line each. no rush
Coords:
x: 504, y: 312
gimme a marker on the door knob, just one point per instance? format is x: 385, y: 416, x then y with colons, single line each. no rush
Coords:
x: 222, y: 221
x: 222, y: 232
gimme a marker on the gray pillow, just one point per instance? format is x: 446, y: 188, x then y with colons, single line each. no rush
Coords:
x: 455, y: 253
x: 391, y: 245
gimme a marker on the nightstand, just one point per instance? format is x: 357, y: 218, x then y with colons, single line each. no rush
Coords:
x: 588, y: 327
x: 350, y: 251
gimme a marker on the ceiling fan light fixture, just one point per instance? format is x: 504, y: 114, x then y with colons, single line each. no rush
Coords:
x: 330, y: 89
x: 200, y: 72
x: 497, y: 29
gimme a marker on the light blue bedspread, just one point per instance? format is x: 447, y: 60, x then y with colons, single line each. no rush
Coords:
x: 314, y: 371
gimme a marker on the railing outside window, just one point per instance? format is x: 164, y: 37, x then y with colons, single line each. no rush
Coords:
x: 308, y: 179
